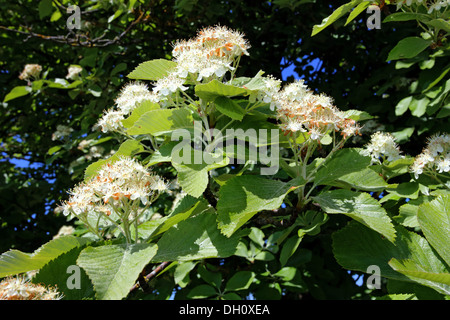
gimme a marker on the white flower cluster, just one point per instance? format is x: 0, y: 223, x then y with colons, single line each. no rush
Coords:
x: 113, y: 188
x: 435, y: 5
x: 30, y: 71
x: 435, y: 156
x: 22, y: 289
x: 212, y: 53
x: 61, y: 132
x: 73, y: 72
x: 382, y: 145
x: 129, y: 98
x: 301, y: 110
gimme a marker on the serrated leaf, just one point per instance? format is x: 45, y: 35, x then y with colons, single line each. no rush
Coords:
x: 439, y: 281
x: 360, y: 207
x: 152, y: 70
x: 135, y: 115
x: 241, y: 197
x: 63, y: 273
x: 343, y: 162
x: 365, y: 179
x: 434, y: 219
x: 195, y: 238
x: 162, y: 121
x: 211, y: 90
x: 15, y: 261
x: 357, y: 247
x: 113, y: 269
x: 229, y: 108
x: 194, y: 178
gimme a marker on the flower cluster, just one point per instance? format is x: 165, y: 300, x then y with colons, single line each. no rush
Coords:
x: 435, y: 5
x: 121, y: 184
x: 30, y: 71
x: 61, y: 132
x: 301, y: 110
x: 435, y: 156
x: 74, y: 72
x: 21, y: 289
x: 382, y: 145
x: 129, y: 98
x: 213, y: 52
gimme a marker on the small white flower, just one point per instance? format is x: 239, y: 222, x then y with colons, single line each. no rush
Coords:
x: 133, y: 94
x: 30, y: 71
x: 61, y: 131
x: 73, y: 72
x: 169, y: 84
x: 111, y: 120
x: 382, y: 144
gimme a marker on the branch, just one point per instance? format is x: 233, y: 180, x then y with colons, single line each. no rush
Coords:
x: 83, y: 40
x: 142, y: 281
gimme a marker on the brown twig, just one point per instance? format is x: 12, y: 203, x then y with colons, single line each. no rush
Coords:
x: 142, y: 282
x: 82, y: 40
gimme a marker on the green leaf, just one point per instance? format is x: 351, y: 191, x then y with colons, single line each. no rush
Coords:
x: 213, y: 89
x: 229, y: 108
x: 403, y: 105
x: 181, y: 273
x: 439, y: 24
x: 357, y: 115
x: 434, y: 219
x: 341, y: 163
x: 162, y: 121
x: 356, y: 247
x: 195, y: 238
x: 62, y: 272
x: 14, y: 261
x: 418, y: 106
x: 360, y: 207
x: 407, y: 16
x: 194, y: 178
x: 201, y: 292
x: 338, y: 13
x: 289, y: 248
x: 119, y: 68
x: 213, y: 278
x: 408, y: 48
x: 113, y: 269
x: 127, y: 148
x: 45, y: 8
x: 438, y: 281
x: 144, y: 107
x: 17, y: 92
x: 357, y: 11
x: 365, y: 179
x: 241, y: 280
x: 152, y: 70
x: 406, y: 190
x: 241, y: 197
x: 188, y: 206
